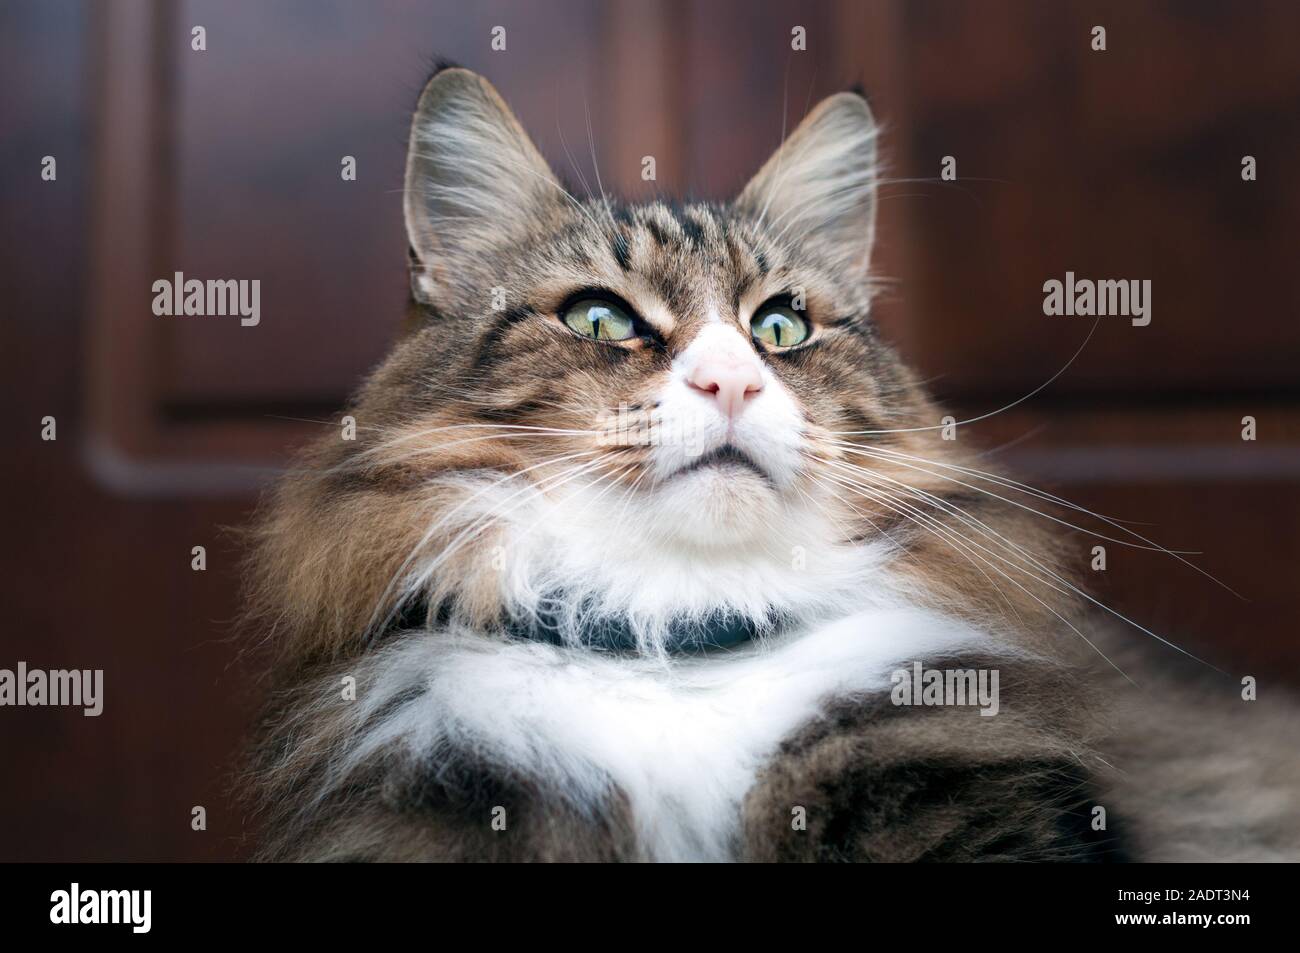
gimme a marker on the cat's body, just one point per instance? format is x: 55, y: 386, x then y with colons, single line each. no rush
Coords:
x: 682, y: 459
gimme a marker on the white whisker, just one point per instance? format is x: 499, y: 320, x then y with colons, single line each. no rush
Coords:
x: 992, y: 413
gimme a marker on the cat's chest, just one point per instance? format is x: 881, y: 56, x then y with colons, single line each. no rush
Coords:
x: 681, y: 742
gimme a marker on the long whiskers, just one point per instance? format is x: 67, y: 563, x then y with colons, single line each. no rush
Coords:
x: 968, y: 548
x: 888, y: 504
x: 899, y: 458
x: 988, y: 532
x: 992, y: 413
x: 996, y: 478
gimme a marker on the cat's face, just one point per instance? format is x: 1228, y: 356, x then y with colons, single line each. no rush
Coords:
x: 685, y: 367
x: 653, y: 410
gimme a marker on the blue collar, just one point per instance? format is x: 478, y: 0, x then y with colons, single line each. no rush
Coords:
x: 719, y: 630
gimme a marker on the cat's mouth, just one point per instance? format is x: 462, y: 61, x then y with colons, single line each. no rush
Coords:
x: 725, y: 456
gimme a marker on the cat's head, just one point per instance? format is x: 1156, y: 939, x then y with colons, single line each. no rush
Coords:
x: 650, y: 409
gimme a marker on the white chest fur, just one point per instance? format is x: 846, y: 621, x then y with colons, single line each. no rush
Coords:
x: 683, y: 741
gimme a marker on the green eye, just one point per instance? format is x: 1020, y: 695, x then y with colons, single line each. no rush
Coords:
x: 778, y: 325
x: 599, y: 319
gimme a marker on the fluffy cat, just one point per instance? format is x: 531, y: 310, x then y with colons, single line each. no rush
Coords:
x: 640, y: 521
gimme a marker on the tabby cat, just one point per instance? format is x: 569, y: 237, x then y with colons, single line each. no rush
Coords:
x: 644, y: 531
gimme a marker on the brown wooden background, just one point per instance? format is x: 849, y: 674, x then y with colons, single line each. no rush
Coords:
x: 225, y: 163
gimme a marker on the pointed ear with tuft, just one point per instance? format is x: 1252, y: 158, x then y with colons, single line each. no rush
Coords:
x: 819, y: 188
x: 475, y: 184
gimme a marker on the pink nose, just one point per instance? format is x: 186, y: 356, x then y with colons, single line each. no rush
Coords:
x: 729, y: 381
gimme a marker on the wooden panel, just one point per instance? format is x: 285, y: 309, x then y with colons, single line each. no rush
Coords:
x: 90, y: 579
x: 1115, y: 164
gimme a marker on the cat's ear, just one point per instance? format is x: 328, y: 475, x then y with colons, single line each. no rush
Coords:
x: 475, y: 183
x: 819, y: 187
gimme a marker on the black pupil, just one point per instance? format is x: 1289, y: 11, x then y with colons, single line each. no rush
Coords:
x: 779, y: 325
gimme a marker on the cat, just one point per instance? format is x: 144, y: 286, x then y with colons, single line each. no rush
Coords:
x: 643, y: 527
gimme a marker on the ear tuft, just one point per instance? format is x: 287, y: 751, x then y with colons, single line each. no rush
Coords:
x: 440, y: 65
x: 819, y: 187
